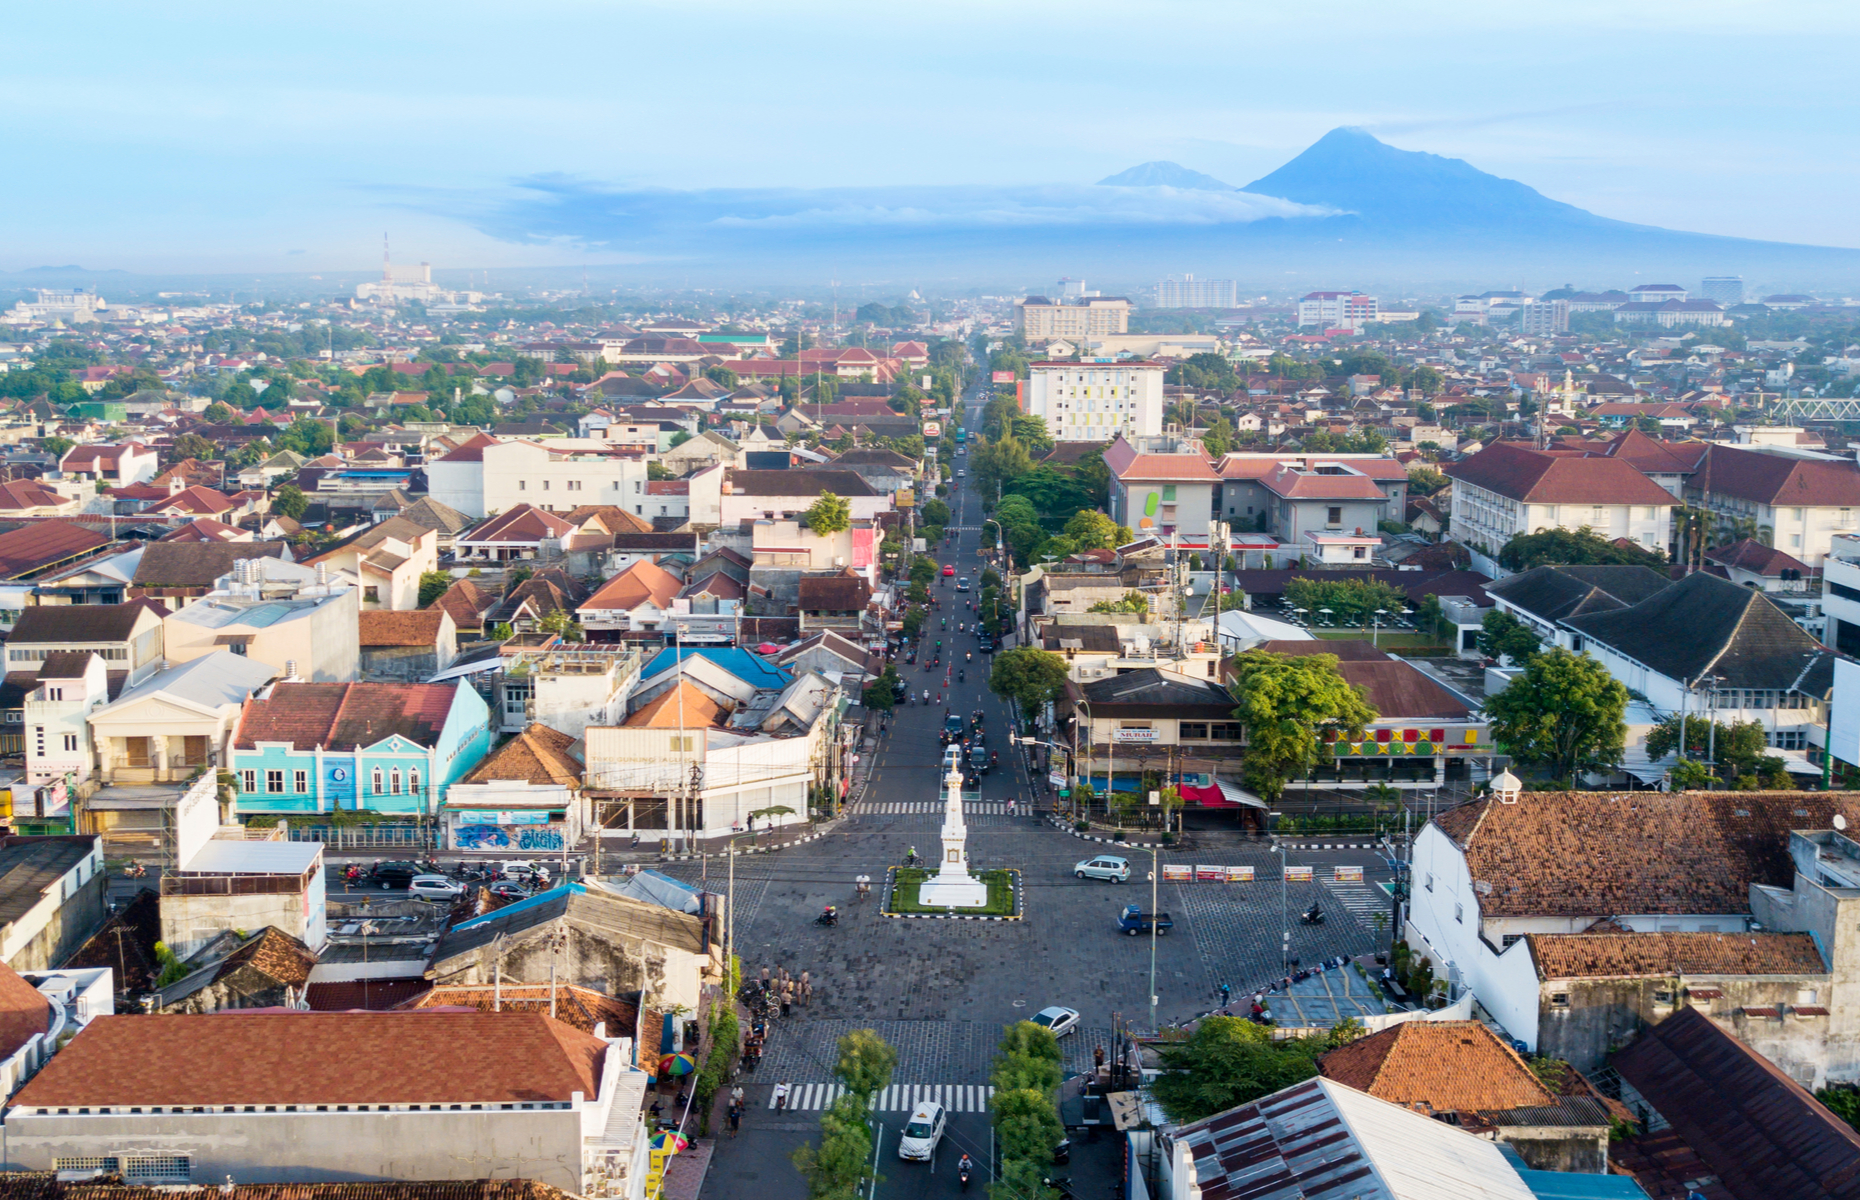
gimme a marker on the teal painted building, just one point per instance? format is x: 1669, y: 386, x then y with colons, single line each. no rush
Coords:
x: 391, y: 748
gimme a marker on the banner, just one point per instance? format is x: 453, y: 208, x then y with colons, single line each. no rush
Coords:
x: 1056, y: 779
x: 1178, y: 874
x: 1297, y: 874
x: 933, y: 429
x: 1211, y: 874
x: 1348, y: 875
x: 1004, y: 377
x: 1239, y: 874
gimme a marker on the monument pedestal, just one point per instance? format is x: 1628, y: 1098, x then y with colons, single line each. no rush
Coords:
x: 952, y: 886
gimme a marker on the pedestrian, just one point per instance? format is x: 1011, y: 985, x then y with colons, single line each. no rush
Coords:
x: 804, y: 978
x: 736, y: 1119
x: 787, y: 999
x: 736, y: 1096
x: 807, y: 994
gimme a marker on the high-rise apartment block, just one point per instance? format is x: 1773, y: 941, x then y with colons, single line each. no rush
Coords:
x: 1042, y: 319
x: 1094, y: 401
x: 1727, y: 290
x: 1336, y: 310
x: 1189, y: 292
x: 1544, y: 318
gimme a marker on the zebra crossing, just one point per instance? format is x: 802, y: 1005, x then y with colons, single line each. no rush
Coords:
x: 1360, y: 900
x: 902, y: 808
x: 899, y: 1097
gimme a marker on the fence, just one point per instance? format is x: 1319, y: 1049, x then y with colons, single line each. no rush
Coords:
x: 341, y: 837
x: 1202, y: 873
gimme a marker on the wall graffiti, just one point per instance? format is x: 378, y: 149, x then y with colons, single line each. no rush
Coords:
x: 505, y: 837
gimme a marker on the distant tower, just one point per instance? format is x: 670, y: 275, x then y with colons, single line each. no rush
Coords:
x: 387, y: 270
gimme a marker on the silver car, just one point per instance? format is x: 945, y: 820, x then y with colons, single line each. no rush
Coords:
x: 1104, y: 866
x: 1058, y: 1019
x: 437, y: 887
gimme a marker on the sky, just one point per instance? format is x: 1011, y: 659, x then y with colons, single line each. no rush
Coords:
x: 214, y: 137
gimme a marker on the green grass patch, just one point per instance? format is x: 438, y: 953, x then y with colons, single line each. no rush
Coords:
x: 906, y: 880
x: 1387, y: 640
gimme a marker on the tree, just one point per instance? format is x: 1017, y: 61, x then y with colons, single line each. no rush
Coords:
x: 561, y: 622
x: 935, y: 512
x: 1291, y: 707
x: 1052, y: 491
x: 1092, y: 530
x: 1204, y: 371
x: 836, y: 1169
x: 1230, y: 1061
x: 289, y: 501
x: 1571, y: 547
x: 192, y: 445
x: 57, y: 446
x: 1031, y: 433
x: 218, y: 413
x: 1350, y: 601
x: 1425, y: 481
x: 1425, y: 380
x: 307, y: 437
x: 433, y: 585
x: 1739, y: 747
x: 1029, y: 676
x: 722, y: 376
x: 1502, y: 635
x: 999, y: 463
x: 865, y: 1064
x: 1133, y: 602
x: 1564, y: 713
x: 881, y: 695
x: 830, y: 514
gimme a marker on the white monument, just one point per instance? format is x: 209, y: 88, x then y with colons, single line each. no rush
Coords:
x: 952, y: 886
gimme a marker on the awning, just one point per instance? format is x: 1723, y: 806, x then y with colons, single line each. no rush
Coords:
x: 478, y: 667
x: 1234, y: 794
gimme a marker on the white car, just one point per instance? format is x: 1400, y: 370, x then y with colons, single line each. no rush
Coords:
x: 923, y: 1132
x: 439, y: 887
x: 1104, y: 866
x: 522, y: 870
x: 1060, y: 1020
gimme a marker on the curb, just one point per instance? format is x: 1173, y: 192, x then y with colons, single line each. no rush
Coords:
x: 1019, y: 913
x: 1328, y: 845
x: 1066, y: 827
x: 812, y: 837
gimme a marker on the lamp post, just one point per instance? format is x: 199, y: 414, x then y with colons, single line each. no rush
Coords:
x: 1155, y: 877
x: 1375, y: 626
x: 1285, y: 923
x: 1073, y: 754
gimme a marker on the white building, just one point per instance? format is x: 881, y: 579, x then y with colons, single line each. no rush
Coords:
x: 56, y: 304
x: 1042, y: 319
x: 1797, y: 502
x: 1336, y: 310
x: 1509, y: 489
x: 1097, y: 400
x: 487, y: 475
x: 1189, y: 292
x: 71, y: 685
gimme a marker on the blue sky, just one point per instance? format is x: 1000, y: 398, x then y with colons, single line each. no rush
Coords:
x: 219, y: 137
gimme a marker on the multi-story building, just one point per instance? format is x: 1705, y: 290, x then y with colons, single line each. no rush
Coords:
x: 1727, y: 290
x: 1163, y: 494
x: 1509, y: 489
x: 1544, y: 318
x: 1189, y: 292
x: 301, y: 621
x: 1336, y: 310
x: 1246, y: 502
x: 70, y: 686
x: 1041, y: 319
x: 487, y: 475
x: 127, y: 637
x: 1792, y: 502
x: 1097, y: 400
x: 1671, y: 313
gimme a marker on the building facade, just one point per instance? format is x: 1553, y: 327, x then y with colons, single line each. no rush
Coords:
x: 1041, y: 319
x: 1096, y: 401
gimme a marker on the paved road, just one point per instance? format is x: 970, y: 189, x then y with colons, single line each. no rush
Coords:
x: 941, y: 991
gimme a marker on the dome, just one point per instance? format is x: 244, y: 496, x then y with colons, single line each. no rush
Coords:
x: 1507, y: 784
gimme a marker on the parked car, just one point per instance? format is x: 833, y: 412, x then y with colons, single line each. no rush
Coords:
x: 1104, y: 866
x: 390, y: 875
x: 437, y: 887
x: 923, y: 1131
x: 1060, y: 1020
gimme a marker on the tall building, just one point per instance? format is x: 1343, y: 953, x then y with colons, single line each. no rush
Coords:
x: 1727, y: 290
x: 57, y: 304
x: 1189, y: 292
x: 1544, y: 318
x: 1336, y: 310
x: 1096, y: 400
x: 1042, y: 319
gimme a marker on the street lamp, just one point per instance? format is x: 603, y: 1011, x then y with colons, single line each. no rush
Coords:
x: 1375, y: 626
x: 1285, y: 921
x: 1033, y: 741
x: 1155, y: 875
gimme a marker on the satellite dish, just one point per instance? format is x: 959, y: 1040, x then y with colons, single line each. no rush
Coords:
x: 1840, y: 822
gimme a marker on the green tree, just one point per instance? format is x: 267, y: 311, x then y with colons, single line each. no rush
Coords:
x: 1289, y: 706
x: 1573, y: 547
x: 57, y: 446
x: 1205, y: 371
x: 1564, y: 713
x: 218, y: 413
x: 192, y: 445
x: 998, y: 463
x: 881, y: 695
x: 1052, y: 491
x: 307, y: 437
x: 561, y: 622
x: 1031, y: 432
x: 865, y: 1064
x: 722, y: 376
x: 1739, y: 747
x: 1425, y: 380
x: 1230, y: 1061
x: 935, y: 512
x: 1425, y: 481
x: 836, y: 1168
x: 1502, y: 635
x: 1027, y: 1059
x: 1092, y: 530
x: 1133, y: 602
x: 289, y: 501
x: 1029, y: 676
x: 830, y: 514
x: 1350, y: 601
x: 433, y: 585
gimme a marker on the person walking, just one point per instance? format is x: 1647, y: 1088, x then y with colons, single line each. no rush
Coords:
x: 807, y: 994
x: 787, y: 998
x: 736, y: 1119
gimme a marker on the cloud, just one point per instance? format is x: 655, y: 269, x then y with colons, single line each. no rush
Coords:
x: 655, y: 220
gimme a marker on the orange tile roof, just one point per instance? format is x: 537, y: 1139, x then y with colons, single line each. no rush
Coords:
x: 537, y: 755
x: 662, y: 711
x: 1582, y: 955
x: 382, y: 627
x: 319, y: 1058
x: 1437, y: 1066
x: 642, y: 582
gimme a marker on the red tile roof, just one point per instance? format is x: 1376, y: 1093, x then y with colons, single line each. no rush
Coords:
x: 1623, y: 955
x: 525, y: 523
x: 319, y: 1058
x: 643, y: 582
x: 380, y: 627
x: 43, y: 543
x: 471, y: 449
x: 1753, y: 556
x: 1295, y: 483
x: 1773, y: 479
x: 1437, y: 1066
x: 346, y: 716
x: 23, y: 1011
x: 1538, y: 477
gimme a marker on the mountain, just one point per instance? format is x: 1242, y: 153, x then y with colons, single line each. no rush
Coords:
x: 1165, y: 174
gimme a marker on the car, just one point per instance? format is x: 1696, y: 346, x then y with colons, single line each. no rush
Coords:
x: 1104, y: 866
x: 985, y: 646
x: 949, y: 568
x: 1060, y: 1020
x: 961, y: 474
x: 522, y: 870
x: 952, y: 726
x: 962, y: 583
x: 503, y: 889
x: 924, y: 1130
x: 438, y: 887
x: 978, y: 759
x: 389, y: 875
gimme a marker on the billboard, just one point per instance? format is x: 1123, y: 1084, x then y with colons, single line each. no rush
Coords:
x: 1844, y: 719
x: 1297, y: 874
x: 1004, y: 377
x: 1348, y: 874
x: 933, y: 429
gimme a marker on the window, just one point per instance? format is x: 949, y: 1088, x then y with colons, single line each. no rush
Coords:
x: 274, y: 781
x: 1510, y: 940
x: 1789, y: 739
x: 413, y: 781
x: 1333, y: 516
x: 54, y: 693
x: 545, y: 485
x: 300, y: 781
x: 1795, y: 540
x: 157, y: 1168
x: 1559, y: 1000
x: 1430, y: 881
x: 372, y: 594
x: 1194, y: 731
x: 1663, y: 997
x: 71, y: 743
x: 523, y: 485
x: 238, y: 648
x: 1362, y: 552
x: 683, y: 745
x: 38, y: 739
x: 374, y: 780
x: 574, y: 485
x: 248, y: 781
x: 394, y: 781
x: 1459, y: 913
x: 1598, y: 515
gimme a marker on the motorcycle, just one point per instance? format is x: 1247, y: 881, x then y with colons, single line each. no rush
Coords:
x: 961, y: 677
x: 1313, y: 916
x: 962, y: 1172
x: 829, y: 919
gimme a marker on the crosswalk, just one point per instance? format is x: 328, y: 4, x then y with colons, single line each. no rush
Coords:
x: 1360, y: 899
x: 899, y: 1097
x: 903, y: 808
